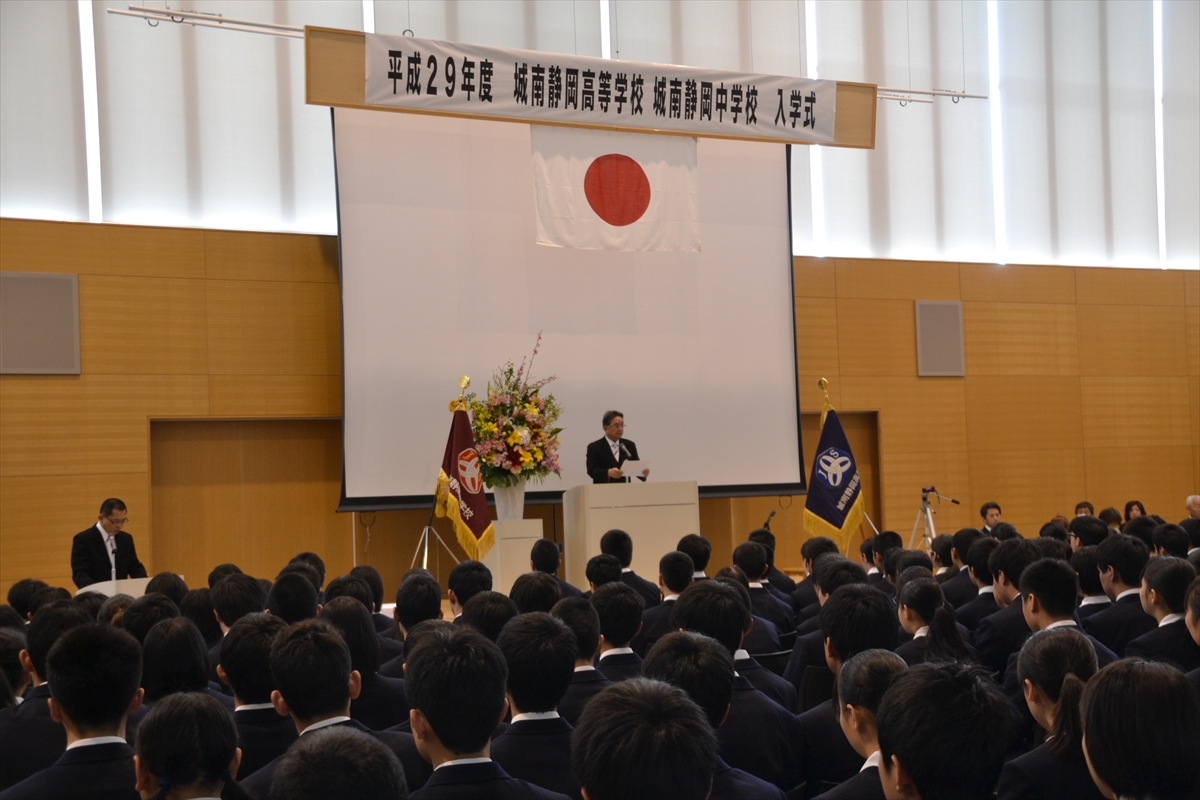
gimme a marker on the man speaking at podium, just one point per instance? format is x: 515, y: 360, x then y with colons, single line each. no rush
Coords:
x: 104, y: 552
x: 606, y: 455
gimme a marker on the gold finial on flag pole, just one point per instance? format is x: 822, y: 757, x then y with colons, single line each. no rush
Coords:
x: 823, y: 385
x: 460, y: 402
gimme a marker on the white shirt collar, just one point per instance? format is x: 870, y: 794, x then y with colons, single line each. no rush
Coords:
x: 873, y: 571
x: 626, y: 569
x: 535, y: 715
x: 96, y: 740
x: 325, y: 723
x: 105, y: 534
x: 699, y: 574
x: 739, y: 654
x: 253, y: 706
x: 755, y: 584
x: 585, y: 669
x: 1094, y: 600
x: 921, y: 631
x: 1128, y: 592
x: 456, y: 761
x: 872, y: 761
x: 942, y: 570
x: 1062, y: 623
x: 1194, y: 549
x: 616, y: 651
x: 989, y: 589
x: 612, y: 445
x: 670, y: 597
x: 1170, y: 618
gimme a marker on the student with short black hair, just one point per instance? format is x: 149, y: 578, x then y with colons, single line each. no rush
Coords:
x: 221, y: 571
x: 315, y: 684
x: 189, y: 748
x: 91, y: 602
x: 675, y: 573
x: 751, y: 558
x: 384, y: 626
x: 702, y: 667
x: 775, y: 578
x: 147, y: 611
x: 620, y: 608
x: 21, y: 593
x: 113, y: 610
x: 339, y: 763
x: 197, y: 606
x: 246, y: 668
x: 932, y: 711
x: 305, y: 570
x: 1084, y: 509
x: 235, y: 596
x: 866, y: 556
x: 600, y: 570
x: 9, y: 618
x: 580, y: 616
x: 1141, y: 722
x: 174, y: 659
x: 1052, y: 668
x: 1087, y: 531
x: 618, y: 543
x: 960, y: 589
x: 418, y: 598
x: 293, y: 597
x: 170, y: 584
x: 861, y: 684
x: 312, y: 560
x: 536, y: 746
x: 350, y: 586
x: 381, y: 701
x: 830, y: 571
x: 467, y: 579
x: 94, y: 672
x: 1142, y: 529
x: 30, y: 739
x: 1171, y: 540
x: 545, y: 556
x: 805, y: 593
x: 971, y: 613
x: 923, y: 614
x: 1163, y: 596
x: 644, y: 738
x: 535, y: 591
x: 1120, y: 560
x: 939, y: 551
x: 1053, y: 548
x: 457, y: 683
x: 699, y: 550
x: 1112, y: 518
x: 1092, y: 599
x: 487, y: 612
x: 1001, y: 634
x: 763, y: 636
x: 1192, y: 620
x: 1054, y: 530
x: 12, y: 642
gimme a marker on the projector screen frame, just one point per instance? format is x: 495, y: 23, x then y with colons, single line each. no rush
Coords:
x: 555, y: 497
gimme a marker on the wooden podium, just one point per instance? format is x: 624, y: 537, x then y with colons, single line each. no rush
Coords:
x: 135, y: 587
x: 655, y: 515
x: 509, y: 557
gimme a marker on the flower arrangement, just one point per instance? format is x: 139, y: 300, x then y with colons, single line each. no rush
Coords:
x: 514, y: 427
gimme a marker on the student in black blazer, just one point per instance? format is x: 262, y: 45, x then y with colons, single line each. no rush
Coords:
x: 545, y: 557
x: 1003, y: 633
x: 620, y: 610
x: 983, y: 601
x: 104, y: 548
x: 774, y: 578
x: 586, y: 681
x: 1164, y: 596
x: 536, y: 747
x: 606, y: 455
x: 619, y: 544
x: 381, y: 701
x: 93, y: 673
x: 924, y: 615
x: 1120, y: 560
x: 674, y: 575
x: 751, y: 558
x: 323, y: 763
x: 169, y: 764
x: 960, y: 589
x: 1093, y: 599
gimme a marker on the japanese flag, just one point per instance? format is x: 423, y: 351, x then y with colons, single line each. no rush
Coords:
x: 603, y: 190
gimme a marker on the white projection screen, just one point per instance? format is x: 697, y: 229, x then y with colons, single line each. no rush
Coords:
x: 441, y: 277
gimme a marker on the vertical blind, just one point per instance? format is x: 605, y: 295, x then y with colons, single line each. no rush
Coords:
x: 209, y: 128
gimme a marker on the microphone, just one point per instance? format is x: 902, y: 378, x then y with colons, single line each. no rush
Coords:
x: 625, y: 450
x: 767, y: 524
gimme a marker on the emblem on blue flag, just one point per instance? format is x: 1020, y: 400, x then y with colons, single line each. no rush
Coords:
x: 834, y: 506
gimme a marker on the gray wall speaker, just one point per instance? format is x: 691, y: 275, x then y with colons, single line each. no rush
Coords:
x: 940, y: 338
x: 39, y: 323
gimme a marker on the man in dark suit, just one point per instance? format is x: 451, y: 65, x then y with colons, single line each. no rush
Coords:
x: 751, y: 558
x: 536, y: 747
x: 606, y: 455
x: 1001, y: 634
x: 94, y: 674
x: 699, y: 550
x: 545, y: 557
x: 805, y: 593
x: 586, y: 681
x: 456, y: 685
x: 1165, y: 584
x: 984, y: 603
x: 104, y: 551
x: 1120, y: 560
x: 233, y: 597
x: 960, y: 589
x: 674, y: 575
x: 619, y: 544
x: 312, y: 654
x: 774, y: 577
x: 620, y: 610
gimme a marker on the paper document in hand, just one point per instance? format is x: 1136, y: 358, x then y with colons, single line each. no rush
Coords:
x: 633, y: 469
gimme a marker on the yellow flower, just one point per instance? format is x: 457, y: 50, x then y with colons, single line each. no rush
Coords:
x: 531, y: 409
x: 514, y: 438
x: 489, y: 428
x: 526, y: 458
x: 537, y: 454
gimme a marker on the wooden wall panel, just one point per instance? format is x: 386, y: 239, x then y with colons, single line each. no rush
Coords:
x: 1130, y: 412
x: 118, y: 413
x: 1192, y: 337
x: 243, y: 256
x: 905, y: 474
x: 877, y: 337
x: 1119, y: 474
x: 1146, y: 341
x: 1030, y: 485
x: 814, y: 277
x: 999, y: 414
x: 131, y: 250
x: 1020, y: 339
x: 916, y: 280
x: 143, y: 326
x: 916, y: 415
x: 1135, y: 287
x: 1016, y: 283
x: 264, y: 328
x: 43, y: 423
x: 275, y: 395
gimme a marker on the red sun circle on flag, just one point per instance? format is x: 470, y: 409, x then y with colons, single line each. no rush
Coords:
x: 468, y: 471
x: 617, y: 189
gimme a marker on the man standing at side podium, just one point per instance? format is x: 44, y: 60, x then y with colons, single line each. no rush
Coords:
x: 104, y: 551
x: 606, y: 455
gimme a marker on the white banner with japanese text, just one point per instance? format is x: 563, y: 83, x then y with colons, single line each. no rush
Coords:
x: 547, y: 88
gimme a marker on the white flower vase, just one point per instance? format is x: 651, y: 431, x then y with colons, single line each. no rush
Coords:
x: 510, y: 501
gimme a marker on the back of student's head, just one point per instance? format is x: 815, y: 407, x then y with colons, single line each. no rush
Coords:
x: 940, y: 549
x: 235, y: 596
x: 963, y: 539
x: 174, y: 659
x: 469, y: 578
x: 424, y: 630
x: 950, y: 727
x: 540, y: 652
x: 310, y: 665
x: 914, y: 558
x: 91, y: 602
x: 340, y: 763
x: 865, y: 678
x: 816, y: 546
x: 1127, y: 555
x: 735, y: 574
x: 21, y: 593
x: 887, y: 540
x: 373, y: 579
x: 535, y: 591
x: 1141, y: 722
x: 620, y: 609
x: 1053, y: 530
x: 545, y: 556
x: 1089, y: 530
x: 1059, y: 661
x: 912, y: 574
x: 1142, y: 529
x: 1083, y: 561
x: 715, y: 609
x: 188, y: 742
x: 836, y: 572
x: 857, y: 618
x: 1011, y: 557
x: 197, y: 606
x: 488, y: 612
x: 701, y: 666
x: 47, y: 595
x: 603, y: 569
x: 222, y: 571
x: 891, y: 562
x: 580, y: 616
x: 353, y: 621
x: 1054, y: 584
x: 643, y: 738
x: 676, y: 569
x: 457, y: 680
x: 698, y: 549
x: 924, y: 597
x: 293, y: 598
x: 147, y: 611
x: 246, y: 656
x: 764, y: 537
x: 304, y: 570
x: 751, y: 558
x: 1192, y: 528
x: 94, y: 671
x: 313, y: 560
x: 823, y: 563
x: 351, y: 586
x: 867, y: 549
x: 1192, y: 599
x: 48, y: 624
x: 1171, y: 539
x: 113, y: 609
x: 170, y: 584
x: 619, y: 544
x: 417, y: 599
x: 1053, y: 548
x: 1004, y: 531
x: 9, y: 618
x: 12, y: 642
x: 1169, y: 578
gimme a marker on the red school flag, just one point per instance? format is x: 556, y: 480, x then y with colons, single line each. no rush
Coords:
x: 460, y: 494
